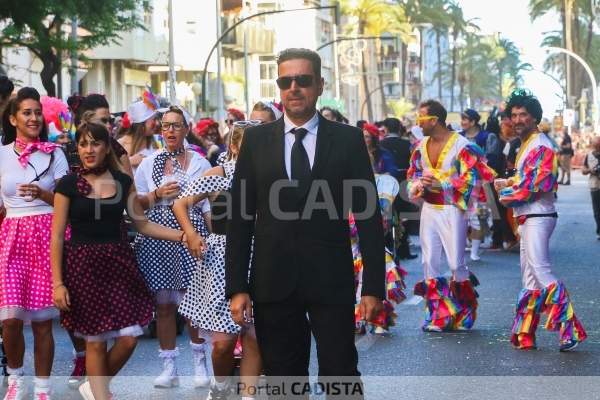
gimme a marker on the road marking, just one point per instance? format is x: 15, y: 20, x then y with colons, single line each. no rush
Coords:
x: 413, y: 301
x: 366, y: 341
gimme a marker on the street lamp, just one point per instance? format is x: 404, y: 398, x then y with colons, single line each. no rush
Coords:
x: 595, y: 111
x: 224, y: 34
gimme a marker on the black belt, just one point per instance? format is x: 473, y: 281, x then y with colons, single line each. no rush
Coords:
x: 522, y: 218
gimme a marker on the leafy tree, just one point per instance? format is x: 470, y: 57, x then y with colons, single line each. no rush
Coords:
x: 583, y: 37
x: 373, y: 18
x: 37, y: 26
x: 459, y: 27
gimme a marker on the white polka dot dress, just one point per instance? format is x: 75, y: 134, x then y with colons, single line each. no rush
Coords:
x: 167, y: 265
x: 205, y: 303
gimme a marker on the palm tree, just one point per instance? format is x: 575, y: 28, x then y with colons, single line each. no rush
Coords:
x: 459, y: 27
x: 372, y: 18
x: 582, y: 34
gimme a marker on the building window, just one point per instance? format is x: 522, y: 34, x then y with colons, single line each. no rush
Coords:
x: 191, y: 27
x: 268, y: 75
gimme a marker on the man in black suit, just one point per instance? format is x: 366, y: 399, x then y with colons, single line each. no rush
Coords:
x: 400, y: 149
x: 291, y: 191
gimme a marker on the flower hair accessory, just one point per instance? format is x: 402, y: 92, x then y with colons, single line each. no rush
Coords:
x: 204, y: 125
x: 372, y: 129
x: 237, y: 114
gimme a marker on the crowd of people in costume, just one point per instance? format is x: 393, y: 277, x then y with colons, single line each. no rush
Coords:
x: 62, y: 164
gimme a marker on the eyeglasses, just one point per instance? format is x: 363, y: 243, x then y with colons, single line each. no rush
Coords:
x: 426, y: 118
x: 107, y: 120
x: 248, y: 122
x: 303, y: 81
x: 165, y: 126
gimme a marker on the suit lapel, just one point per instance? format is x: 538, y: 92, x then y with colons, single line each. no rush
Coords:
x: 277, y: 149
x: 324, y: 141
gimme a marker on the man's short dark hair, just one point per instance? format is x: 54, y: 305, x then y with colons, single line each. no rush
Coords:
x: 524, y: 98
x: 392, y: 125
x: 301, y: 54
x: 435, y: 109
x: 360, y: 123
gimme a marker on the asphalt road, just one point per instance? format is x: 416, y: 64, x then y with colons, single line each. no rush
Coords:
x: 407, y: 363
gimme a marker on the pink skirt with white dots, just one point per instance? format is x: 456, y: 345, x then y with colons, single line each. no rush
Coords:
x: 25, y: 273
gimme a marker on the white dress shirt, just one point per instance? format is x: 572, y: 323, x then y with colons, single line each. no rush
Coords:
x: 309, y: 141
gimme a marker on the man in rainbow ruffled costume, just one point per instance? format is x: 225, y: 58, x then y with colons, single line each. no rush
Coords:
x: 531, y: 194
x: 448, y: 172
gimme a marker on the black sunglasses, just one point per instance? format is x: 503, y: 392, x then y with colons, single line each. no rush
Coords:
x: 303, y: 81
x: 107, y: 120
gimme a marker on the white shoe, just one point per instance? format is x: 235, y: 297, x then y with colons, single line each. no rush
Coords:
x: 169, y: 377
x: 475, y: 257
x: 379, y: 330
x: 41, y: 393
x: 16, y: 388
x: 200, y: 372
x: 85, y: 390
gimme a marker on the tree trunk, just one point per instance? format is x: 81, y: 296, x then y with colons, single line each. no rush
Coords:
x: 404, y: 65
x: 501, y: 73
x: 49, y: 71
x: 384, y: 106
x: 439, y: 66
x: 461, y: 94
x: 365, y: 79
x: 453, y: 73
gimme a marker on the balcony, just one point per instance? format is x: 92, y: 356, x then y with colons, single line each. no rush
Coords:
x: 260, y: 40
x: 414, y: 61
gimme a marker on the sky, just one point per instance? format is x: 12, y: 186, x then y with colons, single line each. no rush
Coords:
x: 511, y: 19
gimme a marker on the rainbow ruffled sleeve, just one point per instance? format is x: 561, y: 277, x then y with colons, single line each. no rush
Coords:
x: 415, y: 171
x: 538, y: 174
x: 469, y: 174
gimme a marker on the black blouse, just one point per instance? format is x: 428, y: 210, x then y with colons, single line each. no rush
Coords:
x: 95, y: 221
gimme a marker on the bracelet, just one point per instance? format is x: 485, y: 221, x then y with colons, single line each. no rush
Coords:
x: 155, y: 195
x: 59, y: 285
x: 182, y: 235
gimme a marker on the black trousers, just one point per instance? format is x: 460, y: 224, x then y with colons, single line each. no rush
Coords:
x: 596, y: 207
x: 283, y: 331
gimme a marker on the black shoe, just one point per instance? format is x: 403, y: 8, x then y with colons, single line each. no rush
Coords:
x: 407, y: 256
x: 568, y: 183
x: 216, y: 394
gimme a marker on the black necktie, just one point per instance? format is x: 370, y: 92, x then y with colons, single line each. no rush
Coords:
x: 300, y: 162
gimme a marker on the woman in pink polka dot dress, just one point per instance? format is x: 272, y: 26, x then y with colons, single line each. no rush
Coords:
x: 30, y: 166
x: 98, y: 285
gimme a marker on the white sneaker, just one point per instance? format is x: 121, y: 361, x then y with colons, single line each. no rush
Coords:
x: 85, y: 390
x: 169, y: 377
x: 41, y: 393
x: 379, y: 330
x: 200, y: 372
x: 475, y: 257
x: 16, y: 388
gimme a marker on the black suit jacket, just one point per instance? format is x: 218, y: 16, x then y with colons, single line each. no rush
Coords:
x: 400, y: 149
x: 312, y: 253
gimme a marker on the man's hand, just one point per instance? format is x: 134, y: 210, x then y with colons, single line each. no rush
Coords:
x: 430, y: 182
x: 370, y: 307
x: 240, y: 303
